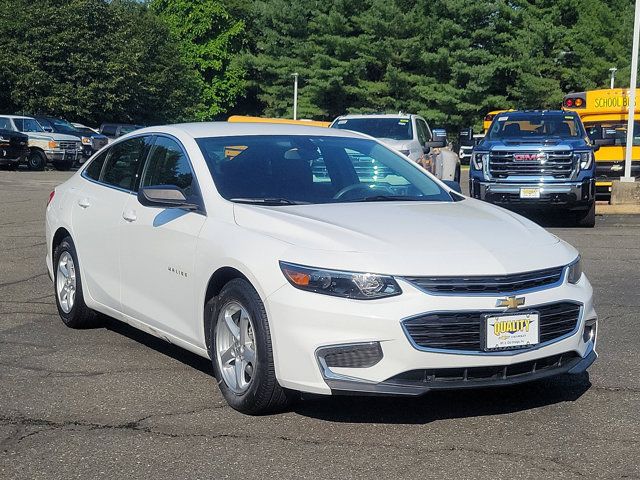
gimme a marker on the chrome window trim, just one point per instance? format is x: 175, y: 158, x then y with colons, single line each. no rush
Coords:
x: 499, y: 353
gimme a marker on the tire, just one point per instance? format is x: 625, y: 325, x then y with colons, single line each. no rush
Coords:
x: 74, y: 314
x: 251, y: 360
x: 587, y: 219
x: 36, y: 160
x: 63, y: 166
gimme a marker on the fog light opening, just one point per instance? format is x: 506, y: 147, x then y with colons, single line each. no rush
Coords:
x: 590, y: 331
x: 355, y: 355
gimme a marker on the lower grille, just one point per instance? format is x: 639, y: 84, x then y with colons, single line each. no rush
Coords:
x: 459, y: 377
x: 357, y: 355
x: 460, y: 331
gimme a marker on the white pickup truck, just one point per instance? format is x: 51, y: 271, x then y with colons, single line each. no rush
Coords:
x: 411, y: 135
x: 56, y: 148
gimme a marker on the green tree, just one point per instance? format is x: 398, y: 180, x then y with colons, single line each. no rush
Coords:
x: 210, y: 37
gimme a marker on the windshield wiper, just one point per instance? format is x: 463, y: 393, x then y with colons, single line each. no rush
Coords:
x: 268, y: 201
x: 388, y: 198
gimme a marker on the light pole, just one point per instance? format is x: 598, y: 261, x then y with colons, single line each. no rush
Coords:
x: 613, y: 71
x: 295, y: 95
x: 632, y: 96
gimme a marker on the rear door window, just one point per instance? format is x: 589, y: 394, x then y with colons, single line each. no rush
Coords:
x: 95, y: 167
x: 123, y: 164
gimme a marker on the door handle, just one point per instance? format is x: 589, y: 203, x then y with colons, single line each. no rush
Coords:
x: 129, y: 216
x: 84, y: 203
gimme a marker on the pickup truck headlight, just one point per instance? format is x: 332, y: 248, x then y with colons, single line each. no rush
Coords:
x: 574, y: 271
x: 53, y: 145
x: 585, y: 159
x: 479, y: 159
x: 86, y: 140
x: 356, y: 285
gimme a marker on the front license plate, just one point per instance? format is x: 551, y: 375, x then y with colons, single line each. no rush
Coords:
x: 511, y: 330
x: 529, y: 193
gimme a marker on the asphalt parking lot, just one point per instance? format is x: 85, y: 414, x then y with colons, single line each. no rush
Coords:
x: 113, y: 402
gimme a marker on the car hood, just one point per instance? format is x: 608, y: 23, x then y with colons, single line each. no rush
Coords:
x: 533, y: 143
x: 397, y: 144
x: 409, y: 238
x: 62, y: 137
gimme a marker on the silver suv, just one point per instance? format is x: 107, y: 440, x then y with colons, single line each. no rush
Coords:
x: 410, y: 135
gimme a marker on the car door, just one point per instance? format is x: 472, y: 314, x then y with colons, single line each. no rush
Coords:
x: 159, y: 245
x: 97, y: 217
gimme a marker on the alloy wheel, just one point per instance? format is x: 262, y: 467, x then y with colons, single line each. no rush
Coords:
x: 66, y: 282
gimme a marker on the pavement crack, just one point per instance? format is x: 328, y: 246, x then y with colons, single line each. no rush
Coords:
x: 16, y: 282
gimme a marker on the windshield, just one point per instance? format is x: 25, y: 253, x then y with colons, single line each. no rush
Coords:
x: 394, y: 128
x: 612, y: 133
x: 62, y: 126
x: 535, y: 124
x: 27, y: 125
x: 297, y: 169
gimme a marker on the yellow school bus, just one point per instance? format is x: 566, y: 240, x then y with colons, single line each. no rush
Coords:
x: 605, y: 114
x: 488, y: 118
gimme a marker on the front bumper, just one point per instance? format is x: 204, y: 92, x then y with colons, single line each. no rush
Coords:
x: 572, y: 195
x: 304, y: 324
x: 63, y: 155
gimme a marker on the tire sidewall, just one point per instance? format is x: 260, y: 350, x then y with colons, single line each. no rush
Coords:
x: 242, y: 292
x: 72, y: 318
x: 40, y: 161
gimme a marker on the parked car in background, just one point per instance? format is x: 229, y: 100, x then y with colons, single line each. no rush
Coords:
x: 91, y: 141
x: 81, y: 126
x: 60, y: 149
x: 537, y: 160
x: 410, y: 135
x: 14, y: 148
x: 115, y: 130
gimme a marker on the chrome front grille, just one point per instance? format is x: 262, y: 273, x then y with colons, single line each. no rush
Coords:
x: 557, y: 163
x: 67, y: 145
x: 461, y: 330
x: 489, y: 284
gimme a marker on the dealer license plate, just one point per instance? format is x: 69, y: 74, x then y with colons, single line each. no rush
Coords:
x: 529, y: 193
x: 511, y: 330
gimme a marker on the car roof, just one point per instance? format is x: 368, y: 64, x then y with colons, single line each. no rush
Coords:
x: 226, y: 129
x: 377, y: 115
x: 15, y: 116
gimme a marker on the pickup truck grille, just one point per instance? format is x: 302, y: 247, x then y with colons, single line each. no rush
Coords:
x: 66, y: 145
x: 557, y: 164
x: 461, y: 330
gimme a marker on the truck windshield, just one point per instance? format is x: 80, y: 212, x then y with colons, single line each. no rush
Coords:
x: 299, y: 169
x: 535, y: 124
x: 398, y: 128
x: 613, y: 133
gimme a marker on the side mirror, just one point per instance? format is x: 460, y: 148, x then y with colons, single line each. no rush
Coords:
x: 453, y: 185
x: 439, y: 134
x: 164, y: 196
x: 465, y: 137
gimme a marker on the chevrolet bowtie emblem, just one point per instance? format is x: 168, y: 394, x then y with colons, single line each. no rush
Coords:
x: 510, y: 302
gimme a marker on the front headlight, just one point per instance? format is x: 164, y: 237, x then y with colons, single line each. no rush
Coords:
x: 479, y: 159
x: 584, y: 158
x: 574, y: 271
x: 86, y: 140
x: 53, y: 145
x: 356, y: 285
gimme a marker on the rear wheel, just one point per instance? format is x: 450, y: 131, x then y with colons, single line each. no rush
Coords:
x: 587, y: 219
x: 36, y: 160
x: 68, y: 287
x: 241, y: 351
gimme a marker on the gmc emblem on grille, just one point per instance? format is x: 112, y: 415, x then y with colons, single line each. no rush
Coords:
x: 530, y: 157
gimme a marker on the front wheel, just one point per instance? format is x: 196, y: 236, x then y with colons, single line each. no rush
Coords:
x: 36, y: 160
x: 241, y: 351
x: 587, y: 219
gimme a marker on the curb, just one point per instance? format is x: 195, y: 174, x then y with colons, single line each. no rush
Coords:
x: 606, y: 209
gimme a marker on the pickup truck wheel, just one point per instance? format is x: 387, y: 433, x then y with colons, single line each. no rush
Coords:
x: 241, y: 351
x: 63, y: 166
x: 68, y: 287
x: 36, y: 160
x: 587, y: 219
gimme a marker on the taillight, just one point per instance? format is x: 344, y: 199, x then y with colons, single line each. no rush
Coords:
x: 51, y: 195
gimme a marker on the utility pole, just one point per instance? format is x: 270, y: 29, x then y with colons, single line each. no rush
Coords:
x: 632, y: 97
x: 613, y: 71
x: 295, y: 95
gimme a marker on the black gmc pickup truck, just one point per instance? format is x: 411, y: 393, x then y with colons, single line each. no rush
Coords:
x: 14, y: 148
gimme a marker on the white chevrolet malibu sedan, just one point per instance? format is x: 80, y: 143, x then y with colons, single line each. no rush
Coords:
x: 302, y: 259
